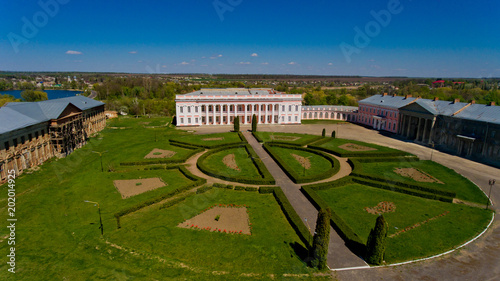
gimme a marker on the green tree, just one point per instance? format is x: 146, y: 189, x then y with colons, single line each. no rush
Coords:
x: 333, y: 134
x: 30, y: 95
x: 254, y: 123
x: 321, y: 239
x: 323, y: 133
x: 5, y: 99
x: 237, y: 124
x: 375, y: 246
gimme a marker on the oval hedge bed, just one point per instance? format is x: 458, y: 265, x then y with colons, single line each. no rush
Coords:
x: 322, y: 165
x: 243, y: 166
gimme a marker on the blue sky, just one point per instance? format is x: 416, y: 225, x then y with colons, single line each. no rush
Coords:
x: 410, y: 38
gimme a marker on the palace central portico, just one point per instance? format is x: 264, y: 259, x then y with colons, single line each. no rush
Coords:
x: 221, y: 106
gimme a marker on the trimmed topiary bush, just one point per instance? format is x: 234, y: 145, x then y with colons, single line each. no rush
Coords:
x: 323, y: 133
x: 333, y: 134
x: 254, y: 123
x: 237, y: 124
x: 321, y: 239
x: 375, y: 246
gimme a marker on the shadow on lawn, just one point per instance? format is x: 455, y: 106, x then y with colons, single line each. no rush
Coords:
x: 300, y: 251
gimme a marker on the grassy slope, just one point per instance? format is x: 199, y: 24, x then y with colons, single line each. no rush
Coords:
x: 318, y: 164
x: 464, y: 188
x: 461, y: 224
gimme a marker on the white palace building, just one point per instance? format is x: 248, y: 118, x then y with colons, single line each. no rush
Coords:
x: 221, y: 106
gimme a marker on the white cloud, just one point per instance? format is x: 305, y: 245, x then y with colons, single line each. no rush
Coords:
x: 265, y: 63
x: 184, y: 63
x: 164, y: 66
x: 254, y: 55
x: 132, y: 52
x: 330, y: 63
x: 244, y: 62
x: 216, y: 57
x: 292, y: 63
x: 70, y: 52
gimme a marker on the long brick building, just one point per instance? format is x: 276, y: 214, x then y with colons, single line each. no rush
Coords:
x: 32, y: 132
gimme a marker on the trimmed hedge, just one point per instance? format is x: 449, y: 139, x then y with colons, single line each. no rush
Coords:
x: 352, y: 240
x: 408, y: 186
x: 293, y: 218
x: 296, y: 177
x: 359, y: 154
x: 402, y: 189
x: 266, y: 177
x: 251, y: 188
x: 183, y: 145
x: 411, y: 158
x: 299, y: 143
x: 320, y: 141
x: 179, y: 143
x: 196, y: 182
x: 331, y: 184
x: 162, y: 161
x: 257, y: 137
x: 204, y: 189
x: 267, y: 189
x: 242, y: 137
x: 221, y: 185
x: 174, y: 201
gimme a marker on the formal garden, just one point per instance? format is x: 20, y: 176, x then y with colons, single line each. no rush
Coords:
x: 163, y: 221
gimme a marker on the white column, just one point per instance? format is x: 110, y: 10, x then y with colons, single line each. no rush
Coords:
x: 222, y: 113
x: 246, y: 109
x: 213, y: 114
x: 206, y: 114
x: 272, y: 118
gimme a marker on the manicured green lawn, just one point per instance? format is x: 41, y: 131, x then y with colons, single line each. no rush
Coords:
x: 268, y: 250
x: 301, y: 139
x: 244, y: 162
x: 436, y: 236
x: 132, y: 144
x: 452, y: 181
x: 209, y: 139
x: 57, y: 234
x: 319, y: 164
x: 334, y: 144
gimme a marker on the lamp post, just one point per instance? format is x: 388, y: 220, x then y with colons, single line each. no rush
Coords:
x: 100, y: 154
x: 491, y: 183
x: 100, y: 218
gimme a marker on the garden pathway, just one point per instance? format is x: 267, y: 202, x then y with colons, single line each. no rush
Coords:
x: 339, y: 256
